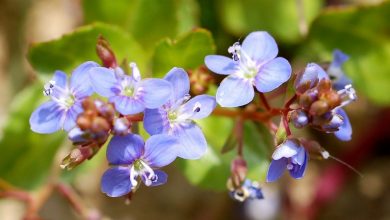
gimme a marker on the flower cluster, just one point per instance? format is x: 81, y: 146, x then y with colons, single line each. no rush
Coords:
x: 169, y: 113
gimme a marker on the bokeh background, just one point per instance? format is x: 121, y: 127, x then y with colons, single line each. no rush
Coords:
x: 159, y: 34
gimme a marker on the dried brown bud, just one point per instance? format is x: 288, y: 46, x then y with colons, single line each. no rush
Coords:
x: 319, y: 107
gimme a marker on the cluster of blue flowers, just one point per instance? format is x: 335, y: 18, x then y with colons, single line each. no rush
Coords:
x: 168, y: 113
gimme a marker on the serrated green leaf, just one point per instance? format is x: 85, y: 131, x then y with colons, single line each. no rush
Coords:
x: 147, y: 20
x: 187, y: 52
x: 26, y: 157
x: 280, y: 17
x: 362, y: 33
x: 78, y: 46
x: 213, y: 169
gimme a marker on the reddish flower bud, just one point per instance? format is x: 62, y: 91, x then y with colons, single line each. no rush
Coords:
x: 319, y: 107
x: 105, y: 53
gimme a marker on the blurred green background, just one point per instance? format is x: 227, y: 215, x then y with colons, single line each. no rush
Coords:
x: 39, y: 37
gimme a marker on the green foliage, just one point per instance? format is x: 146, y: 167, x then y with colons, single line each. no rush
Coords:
x: 362, y: 33
x: 26, y: 157
x: 187, y: 52
x: 147, y: 20
x: 280, y: 17
x: 213, y: 169
x: 79, y: 46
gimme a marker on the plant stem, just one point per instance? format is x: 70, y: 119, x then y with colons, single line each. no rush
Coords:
x: 263, y: 100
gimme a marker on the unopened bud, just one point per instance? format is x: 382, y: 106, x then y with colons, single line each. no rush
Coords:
x: 299, y: 118
x: 239, y: 170
x: 105, y: 53
x: 99, y: 124
x: 332, y: 98
x: 83, y: 122
x: 78, y: 137
x: 121, y: 126
x: 306, y: 99
x: 76, y: 157
x: 319, y: 107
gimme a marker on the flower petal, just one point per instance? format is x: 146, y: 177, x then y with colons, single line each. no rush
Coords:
x: 124, y: 150
x: 71, y: 116
x: 180, y: 82
x: 154, y: 92
x: 276, y: 169
x: 154, y: 121
x: 193, y: 144
x: 80, y: 82
x: 298, y: 171
x: 287, y: 149
x: 345, y: 130
x: 273, y: 74
x: 260, y: 46
x: 127, y: 105
x: 162, y: 178
x: 47, y: 118
x: 339, y: 58
x: 308, y: 78
x: 198, y: 107
x: 160, y: 150
x: 116, y: 182
x: 299, y: 158
x: 60, y: 78
x: 234, y: 91
x: 221, y: 64
x: 104, y: 81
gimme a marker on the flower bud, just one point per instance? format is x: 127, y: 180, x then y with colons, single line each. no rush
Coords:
x: 121, y: 126
x: 79, y: 137
x: 99, y: 124
x: 299, y: 118
x: 83, y: 122
x: 239, y: 170
x: 319, y: 107
x: 105, y: 53
x: 332, y: 98
x: 76, y: 157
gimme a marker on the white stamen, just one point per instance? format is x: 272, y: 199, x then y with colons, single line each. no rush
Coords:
x: 290, y: 166
x: 235, y: 51
x: 348, y: 94
x: 48, y: 88
x: 135, y: 71
x: 133, y: 177
x: 325, y: 154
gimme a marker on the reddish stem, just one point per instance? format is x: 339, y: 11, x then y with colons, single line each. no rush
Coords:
x: 263, y: 100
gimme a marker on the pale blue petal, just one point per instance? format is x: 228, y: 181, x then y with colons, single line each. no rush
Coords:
x: 341, y: 82
x: 339, y: 58
x: 299, y: 158
x: 104, y: 81
x: 127, y: 105
x: 308, y: 76
x: 124, y: 150
x: 287, y: 149
x: 298, y: 171
x: 154, y: 121
x: 47, y: 118
x: 234, y: 91
x: 154, y: 92
x: 180, y: 82
x: 116, y: 182
x: 60, y: 78
x: 321, y: 74
x: 199, y: 107
x: 276, y: 169
x: 193, y: 144
x: 71, y: 116
x: 260, y: 46
x: 80, y: 81
x: 221, y: 64
x: 273, y: 74
x: 160, y: 150
x: 345, y: 130
x: 162, y: 178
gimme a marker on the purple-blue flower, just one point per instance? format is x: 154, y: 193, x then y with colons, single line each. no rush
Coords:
x: 254, y: 63
x: 176, y: 116
x: 248, y: 190
x: 129, y: 93
x: 340, y: 80
x: 134, y: 160
x: 289, y: 155
x: 65, y: 105
x: 311, y: 76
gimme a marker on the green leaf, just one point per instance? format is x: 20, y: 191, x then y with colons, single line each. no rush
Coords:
x: 279, y: 17
x: 147, y: 20
x: 77, y: 47
x: 362, y: 33
x: 213, y: 169
x: 26, y: 157
x: 187, y: 52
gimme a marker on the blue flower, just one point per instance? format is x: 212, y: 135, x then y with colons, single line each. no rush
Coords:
x: 289, y: 155
x: 129, y: 93
x: 248, y: 190
x: 135, y: 160
x: 65, y: 105
x: 339, y: 119
x: 254, y: 63
x: 340, y: 80
x: 176, y: 116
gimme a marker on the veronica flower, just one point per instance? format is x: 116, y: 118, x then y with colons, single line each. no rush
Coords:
x: 134, y: 160
x: 248, y: 190
x: 176, y: 116
x: 129, y: 93
x: 254, y: 63
x: 309, y: 79
x: 340, y: 80
x: 289, y: 155
x: 65, y: 105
